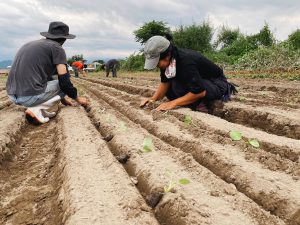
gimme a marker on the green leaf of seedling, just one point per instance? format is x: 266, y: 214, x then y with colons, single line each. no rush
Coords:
x: 123, y: 126
x: 187, y: 119
x: 184, y: 181
x: 254, y: 143
x: 109, y: 118
x: 147, y: 145
x: 242, y: 99
x: 235, y: 135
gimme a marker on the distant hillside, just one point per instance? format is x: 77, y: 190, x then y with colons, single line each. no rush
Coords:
x: 5, y: 63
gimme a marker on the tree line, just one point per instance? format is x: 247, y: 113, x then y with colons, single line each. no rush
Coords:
x: 228, y: 47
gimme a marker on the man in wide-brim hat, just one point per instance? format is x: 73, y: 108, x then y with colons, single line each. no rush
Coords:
x: 30, y: 81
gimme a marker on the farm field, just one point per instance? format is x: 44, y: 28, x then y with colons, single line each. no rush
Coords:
x: 115, y: 163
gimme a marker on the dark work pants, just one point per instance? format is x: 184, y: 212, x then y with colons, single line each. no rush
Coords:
x: 76, y: 71
x: 215, y: 89
x: 113, y: 69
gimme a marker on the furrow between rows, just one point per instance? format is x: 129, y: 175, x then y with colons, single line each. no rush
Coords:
x: 207, y: 199
x: 275, y: 191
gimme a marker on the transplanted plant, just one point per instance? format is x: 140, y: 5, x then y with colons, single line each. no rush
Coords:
x: 147, y: 145
x: 123, y: 126
x: 174, y: 182
x: 254, y: 143
x: 187, y: 119
x: 237, y: 136
x: 242, y: 99
x: 109, y: 118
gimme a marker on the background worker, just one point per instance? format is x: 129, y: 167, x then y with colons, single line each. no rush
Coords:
x: 111, y: 65
x: 30, y: 81
x: 78, y: 67
x: 187, y: 77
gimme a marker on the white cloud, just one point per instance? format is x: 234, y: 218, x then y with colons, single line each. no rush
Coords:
x: 105, y: 28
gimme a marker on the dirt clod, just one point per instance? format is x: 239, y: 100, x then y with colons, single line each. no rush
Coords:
x: 123, y: 158
x: 108, y: 137
x: 154, y: 198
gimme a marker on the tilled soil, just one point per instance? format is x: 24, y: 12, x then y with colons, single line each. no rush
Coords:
x: 90, y: 167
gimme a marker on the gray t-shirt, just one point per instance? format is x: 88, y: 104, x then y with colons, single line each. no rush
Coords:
x: 33, y: 66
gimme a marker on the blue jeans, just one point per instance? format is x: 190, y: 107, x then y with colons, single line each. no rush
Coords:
x: 52, y: 90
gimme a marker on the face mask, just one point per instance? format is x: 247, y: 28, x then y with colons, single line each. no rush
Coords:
x: 171, y: 69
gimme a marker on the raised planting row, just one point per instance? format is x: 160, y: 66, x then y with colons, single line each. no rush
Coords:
x: 12, y: 122
x: 229, y: 162
x: 95, y: 187
x: 271, y: 120
x: 189, y: 192
x: 245, y: 95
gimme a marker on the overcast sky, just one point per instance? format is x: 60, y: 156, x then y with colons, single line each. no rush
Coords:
x: 104, y: 28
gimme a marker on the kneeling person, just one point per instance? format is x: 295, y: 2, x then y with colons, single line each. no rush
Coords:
x: 30, y: 81
x: 187, y: 77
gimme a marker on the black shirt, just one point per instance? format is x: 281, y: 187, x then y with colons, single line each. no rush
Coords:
x: 191, y: 68
x: 110, y: 63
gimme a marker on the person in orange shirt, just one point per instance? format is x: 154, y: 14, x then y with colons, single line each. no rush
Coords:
x: 78, y: 68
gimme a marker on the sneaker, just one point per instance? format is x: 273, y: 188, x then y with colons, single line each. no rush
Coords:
x: 34, y: 116
x: 48, y: 114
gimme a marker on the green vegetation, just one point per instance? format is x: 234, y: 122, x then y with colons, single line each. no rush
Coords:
x: 232, y: 50
x: 174, y: 182
x: 74, y: 58
x: 151, y: 29
x: 254, y: 143
x: 237, y: 136
x: 123, y: 126
x: 187, y: 119
x: 147, y: 145
x: 196, y: 37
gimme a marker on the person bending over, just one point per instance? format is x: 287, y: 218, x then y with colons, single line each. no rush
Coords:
x: 187, y: 77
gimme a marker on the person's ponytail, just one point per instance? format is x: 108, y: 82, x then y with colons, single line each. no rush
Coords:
x: 169, y: 37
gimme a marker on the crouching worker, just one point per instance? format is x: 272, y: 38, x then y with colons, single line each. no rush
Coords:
x: 30, y: 82
x: 187, y: 77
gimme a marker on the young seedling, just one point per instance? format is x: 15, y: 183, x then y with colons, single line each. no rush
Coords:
x: 147, y: 145
x: 254, y: 143
x: 123, y: 127
x: 242, y: 99
x: 109, y: 118
x: 235, y: 135
x: 187, y: 119
x: 174, y: 182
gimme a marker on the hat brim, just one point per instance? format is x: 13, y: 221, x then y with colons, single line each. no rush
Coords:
x: 151, y: 64
x: 52, y: 36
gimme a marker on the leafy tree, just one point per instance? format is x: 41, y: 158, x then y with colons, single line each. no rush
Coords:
x: 74, y: 58
x: 99, y: 61
x: 294, y: 39
x: 265, y: 37
x: 134, y: 62
x: 151, y: 29
x: 244, y: 44
x: 196, y: 37
x: 227, y: 36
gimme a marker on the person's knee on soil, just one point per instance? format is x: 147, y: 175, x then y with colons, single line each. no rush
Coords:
x: 27, y: 81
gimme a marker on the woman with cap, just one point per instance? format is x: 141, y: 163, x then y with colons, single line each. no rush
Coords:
x: 30, y: 81
x: 187, y: 77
